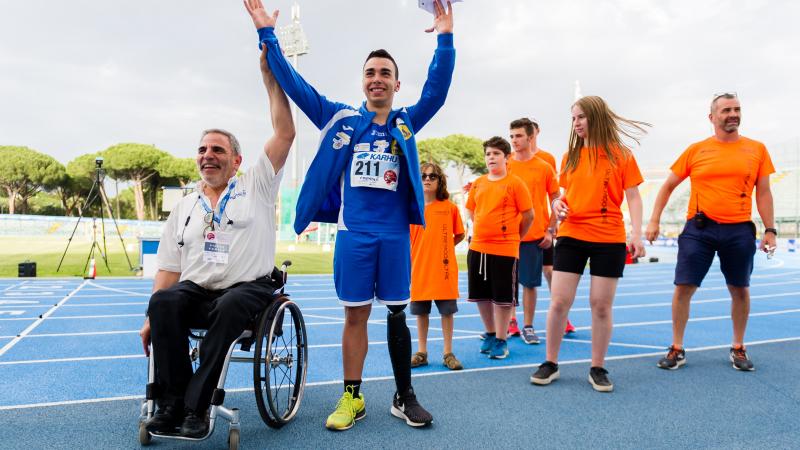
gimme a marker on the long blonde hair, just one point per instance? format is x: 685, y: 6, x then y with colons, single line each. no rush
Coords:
x: 606, y: 131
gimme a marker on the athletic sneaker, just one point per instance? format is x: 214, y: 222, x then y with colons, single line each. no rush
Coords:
x: 547, y: 373
x: 529, y: 336
x: 348, y: 410
x: 488, y: 344
x: 740, y: 359
x: 499, y: 350
x: 407, y: 407
x: 676, y: 357
x: 513, y: 328
x: 570, y: 328
x: 598, y: 378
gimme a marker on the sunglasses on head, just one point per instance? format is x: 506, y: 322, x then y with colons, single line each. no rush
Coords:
x: 430, y: 176
x: 724, y: 94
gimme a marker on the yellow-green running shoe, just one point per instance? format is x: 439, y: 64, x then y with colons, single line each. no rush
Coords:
x: 348, y: 410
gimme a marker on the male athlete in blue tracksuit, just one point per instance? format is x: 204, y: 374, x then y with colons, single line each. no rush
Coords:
x: 365, y: 177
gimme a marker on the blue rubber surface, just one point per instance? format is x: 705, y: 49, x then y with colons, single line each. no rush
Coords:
x: 74, y: 378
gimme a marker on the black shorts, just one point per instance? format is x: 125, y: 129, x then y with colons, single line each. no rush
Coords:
x: 423, y: 307
x: 605, y: 260
x: 492, y: 278
x: 547, y: 255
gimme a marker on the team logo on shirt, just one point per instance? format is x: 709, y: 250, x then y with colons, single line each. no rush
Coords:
x: 403, y: 129
x: 390, y: 177
x: 340, y: 140
x: 396, y: 150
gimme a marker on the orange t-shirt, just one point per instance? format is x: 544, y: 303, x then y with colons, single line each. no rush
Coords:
x: 496, y: 207
x: 547, y: 157
x: 540, y: 179
x: 434, y: 271
x: 723, y: 175
x: 594, y: 192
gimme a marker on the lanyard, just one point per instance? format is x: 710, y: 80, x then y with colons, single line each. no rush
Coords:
x: 222, y: 203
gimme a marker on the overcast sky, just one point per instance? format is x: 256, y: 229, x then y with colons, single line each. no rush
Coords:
x: 80, y: 76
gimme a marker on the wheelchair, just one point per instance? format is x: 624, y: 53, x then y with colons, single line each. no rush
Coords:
x: 279, y: 357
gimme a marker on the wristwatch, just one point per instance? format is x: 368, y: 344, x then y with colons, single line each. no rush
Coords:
x: 551, y: 230
x: 771, y: 230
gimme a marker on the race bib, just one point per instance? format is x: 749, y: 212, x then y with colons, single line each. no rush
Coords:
x: 375, y: 170
x: 217, y: 247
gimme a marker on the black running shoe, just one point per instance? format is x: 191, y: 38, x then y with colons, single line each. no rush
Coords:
x: 740, y: 359
x: 675, y: 358
x: 547, y: 373
x: 166, y: 420
x: 598, y: 377
x: 195, y: 425
x: 407, y: 407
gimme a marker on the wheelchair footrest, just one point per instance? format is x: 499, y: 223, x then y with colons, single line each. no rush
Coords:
x: 218, y: 397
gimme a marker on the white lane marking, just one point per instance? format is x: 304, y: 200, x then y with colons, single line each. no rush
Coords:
x: 12, y: 312
x: 420, y: 375
x: 38, y: 321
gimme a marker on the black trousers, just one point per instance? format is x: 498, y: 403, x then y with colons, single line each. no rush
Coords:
x: 224, y: 313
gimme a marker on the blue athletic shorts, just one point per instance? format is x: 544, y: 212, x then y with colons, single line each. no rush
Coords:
x: 530, y: 264
x: 734, y: 243
x: 368, y: 266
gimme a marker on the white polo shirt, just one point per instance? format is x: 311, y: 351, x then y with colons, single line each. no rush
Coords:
x: 249, y: 217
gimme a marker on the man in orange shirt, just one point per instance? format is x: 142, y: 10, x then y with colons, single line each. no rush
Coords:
x: 723, y: 169
x: 540, y: 179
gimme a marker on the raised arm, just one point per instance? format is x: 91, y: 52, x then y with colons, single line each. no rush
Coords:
x: 440, y: 72
x: 318, y: 109
x: 277, y: 147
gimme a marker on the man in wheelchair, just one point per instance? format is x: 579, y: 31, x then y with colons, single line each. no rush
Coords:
x: 215, y: 262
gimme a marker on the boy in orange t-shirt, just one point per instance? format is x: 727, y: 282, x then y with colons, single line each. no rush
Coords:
x: 723, y: 169
x: 434, y: 271
x: 540, y: 179
x: 501, y: 209
x: 597, y: 174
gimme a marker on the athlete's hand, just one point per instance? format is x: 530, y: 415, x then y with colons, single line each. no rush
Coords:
x: 547, y: 241
x: 768, y: 243
x: 560, y: 209
x: 442, y: 20
x: 144, y: 333
x: 636, y: 246
x: 652, y: 231
x: 259, y: 15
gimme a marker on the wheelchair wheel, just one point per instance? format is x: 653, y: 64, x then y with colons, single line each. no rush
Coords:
x: 280, y: 362
x: 144, y: 435
x: 233, y: 439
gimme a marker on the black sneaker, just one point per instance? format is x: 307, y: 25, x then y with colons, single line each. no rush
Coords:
x: 547, y: 373
x: 195, y: 425
x: 407, y: 407
x: 675, y: 358
x: 166, y: 420
x: 740, y: 359
x: 598, y: 377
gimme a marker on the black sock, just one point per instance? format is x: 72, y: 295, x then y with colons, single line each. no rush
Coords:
x: 355, y: 384
x: 491, y: 334
x: 399, y: 339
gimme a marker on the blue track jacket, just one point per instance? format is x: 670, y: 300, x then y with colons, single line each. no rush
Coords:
x: 342, y: 126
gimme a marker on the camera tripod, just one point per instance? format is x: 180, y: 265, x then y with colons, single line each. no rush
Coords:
x: 97, y: 191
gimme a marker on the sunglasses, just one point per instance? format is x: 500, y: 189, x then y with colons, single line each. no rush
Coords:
x: 724, y: 94
x: 208, y: 219
x: 430, y: 176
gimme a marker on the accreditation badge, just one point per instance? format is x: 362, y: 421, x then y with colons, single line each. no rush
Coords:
x: 217, y: 247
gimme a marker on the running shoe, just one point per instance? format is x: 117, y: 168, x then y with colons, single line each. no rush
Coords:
x: 598, y: 378
x: 676, y: 357
x: 488, y: 344
x: 529, y: 336
x: 547, y: 373
x: 348, y: 410
x: 499, y: 350
x: 513, y: 328
x: 740, y: 359
x: 407, y: 407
